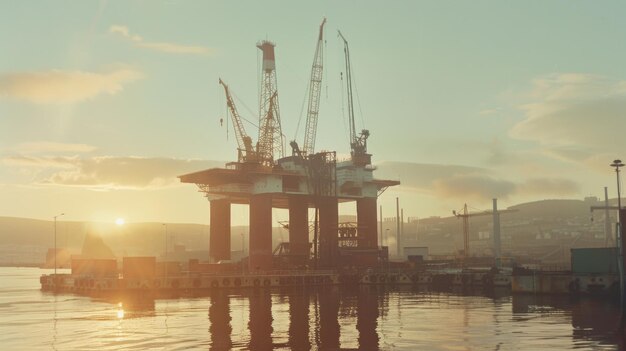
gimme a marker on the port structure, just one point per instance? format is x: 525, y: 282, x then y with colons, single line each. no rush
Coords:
x: 263, y: 178
x: 495, y: 213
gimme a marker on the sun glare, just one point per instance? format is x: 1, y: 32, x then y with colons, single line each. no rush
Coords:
x: 120, y: 221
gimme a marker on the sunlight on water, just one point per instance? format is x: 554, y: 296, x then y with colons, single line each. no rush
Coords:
x: 120, y: 311
x: 329, y: 318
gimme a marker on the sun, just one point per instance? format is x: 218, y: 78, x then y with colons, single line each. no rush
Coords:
x: 120, y: 221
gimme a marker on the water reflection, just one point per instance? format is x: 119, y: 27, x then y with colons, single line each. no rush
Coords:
x: 367, y: 317
x: 131, y: 306
x: 328, y: 302
x: 219, y: 317
x: 260, y: 323
x: 592, y: 319
x: 371, y: 318
x: 299, y: 300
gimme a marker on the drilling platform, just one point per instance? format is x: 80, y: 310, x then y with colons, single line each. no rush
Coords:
x: 263, y: 178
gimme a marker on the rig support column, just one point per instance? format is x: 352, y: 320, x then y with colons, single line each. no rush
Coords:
x: 329, y: 223
x: 366, y: 222
x: 219, y: 239
x: 260, y: 245
x: 299, y: 228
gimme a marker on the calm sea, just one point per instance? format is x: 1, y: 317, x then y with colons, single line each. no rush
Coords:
x: 300, y: 319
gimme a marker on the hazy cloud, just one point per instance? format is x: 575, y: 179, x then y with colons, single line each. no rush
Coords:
x: 40, y: 162
x: 549, y: 186
x: 160, y: 46
x: 419, y: 176
x: 60, y: 87
x: 489, y: 111
x: 469, y: 183
x: 575, y: 117
x: 473, y: 187
x: 107, y: 172
x: 48, y: 147
x: 447, y: 180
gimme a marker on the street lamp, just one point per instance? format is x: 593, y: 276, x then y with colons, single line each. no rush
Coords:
x: 55, y: 243
x: 165, y: 255
x: 165, y: 227
x: 617, y: 164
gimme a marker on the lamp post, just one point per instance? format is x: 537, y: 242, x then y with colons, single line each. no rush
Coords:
x: 617, y: 164
x: 55, y: 244
x: 165, y: 254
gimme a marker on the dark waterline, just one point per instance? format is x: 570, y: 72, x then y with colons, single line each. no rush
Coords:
x: 301, y: 319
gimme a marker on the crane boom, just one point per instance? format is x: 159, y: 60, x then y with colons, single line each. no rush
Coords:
x: 358, y: 143
x: 315, y: 89
x: 246, y: 152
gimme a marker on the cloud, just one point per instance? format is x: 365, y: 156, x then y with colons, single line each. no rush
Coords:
x: 40, y: 162
x: 160, y: 46
x: 63, y: 87
x: 473, y: 187
x: 454, y: 181
x: 489, y: 111
x: 577, y: 118
x: 552, y: 186
x: 469, y: 183
x: 108, y: 172
x: 48, y: 147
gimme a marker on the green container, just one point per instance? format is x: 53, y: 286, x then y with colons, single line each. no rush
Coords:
x: 595, y: 260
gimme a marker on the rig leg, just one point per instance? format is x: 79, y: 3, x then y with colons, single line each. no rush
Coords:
x: 219, y: 239
x: 329, y: 223
x: 260, y: 258
x: 367, y: 223
x: 299, y: 229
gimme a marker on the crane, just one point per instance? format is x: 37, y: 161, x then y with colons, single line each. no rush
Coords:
x: 358, y: 143
x: 315, y: 88
x: 246, y: 152
x: 466, y: 215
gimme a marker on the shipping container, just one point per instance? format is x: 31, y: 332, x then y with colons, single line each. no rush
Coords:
x: 594, y: 260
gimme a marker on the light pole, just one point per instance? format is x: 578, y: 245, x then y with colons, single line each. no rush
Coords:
x: 165, y: 228
x: 55, y: 244
x: 617, y: 164
x: 165, y: 254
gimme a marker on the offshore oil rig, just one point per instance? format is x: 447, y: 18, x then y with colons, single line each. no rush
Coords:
x: 263, y: 177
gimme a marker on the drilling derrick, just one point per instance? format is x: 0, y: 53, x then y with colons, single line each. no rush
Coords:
x: 246, y: 152
x: 270, y: 131
x: 358, y: 143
